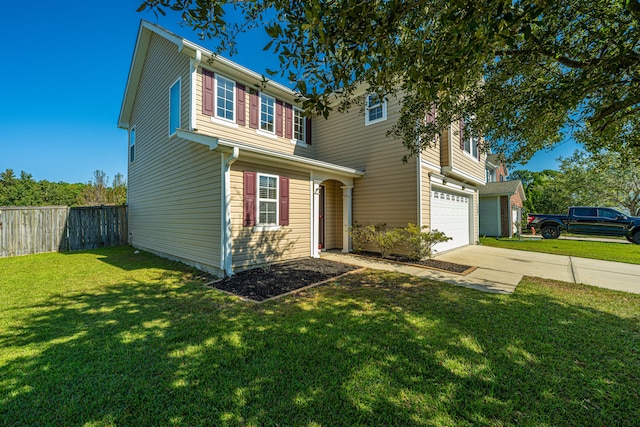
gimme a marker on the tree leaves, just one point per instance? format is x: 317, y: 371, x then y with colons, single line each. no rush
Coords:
x: 529, y: 73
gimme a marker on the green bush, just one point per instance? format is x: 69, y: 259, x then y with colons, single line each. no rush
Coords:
x: 420, y: 243
x: 392, y: 241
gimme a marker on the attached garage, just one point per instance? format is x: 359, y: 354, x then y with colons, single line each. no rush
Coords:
x: 450, y: 214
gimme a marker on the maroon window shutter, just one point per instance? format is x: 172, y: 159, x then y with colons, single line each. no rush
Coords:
x: 207, y: 92
x: 254, y: 108
x: 308, y: 130
x: 462, y: 134
x: 279, y: 117
x: 288, y: 121
x: 430, y: 116
x: 241, y: 113
x: 249, y: 199
x: 284, y: 200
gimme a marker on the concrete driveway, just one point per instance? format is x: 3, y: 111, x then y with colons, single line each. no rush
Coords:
x: 506, y: 267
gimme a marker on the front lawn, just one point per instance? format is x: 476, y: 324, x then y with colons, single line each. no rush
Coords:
x: 110, y: 337
x: 607, y: 251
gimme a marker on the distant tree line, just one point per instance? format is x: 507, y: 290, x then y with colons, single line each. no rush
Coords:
x: 25, y: 191
x: 601, y: 178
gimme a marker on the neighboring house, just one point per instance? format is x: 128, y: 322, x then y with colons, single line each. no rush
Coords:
x: 501, y: 201
x: 225, y: 171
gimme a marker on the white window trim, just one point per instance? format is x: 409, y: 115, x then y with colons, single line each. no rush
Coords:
x: 179, y: 82
x: 295, y: 140
x: 266, y: 133
x: 260, y: 115
x: 383, y: 103
x: 215, y: 107
x: 469, y: 153
x: 132, y: 131
x: 267, y: 226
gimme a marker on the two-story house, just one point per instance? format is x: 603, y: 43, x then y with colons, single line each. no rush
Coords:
x: 501, y: 201
x: 225, y: 171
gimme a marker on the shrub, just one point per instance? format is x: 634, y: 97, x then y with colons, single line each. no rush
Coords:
x: 360, y: 236
x: 388, y: 241
x: 420, y: 243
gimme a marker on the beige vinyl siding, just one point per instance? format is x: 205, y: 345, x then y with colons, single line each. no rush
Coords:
x: 333, y: 215
x: 462, y: 160
x: 476, y: 218
x: 252, y: 247
x: 426, y: 197
x: 245, y: 134
x: 387, y: 192
x: 174, y: 185
x: 432, y: 153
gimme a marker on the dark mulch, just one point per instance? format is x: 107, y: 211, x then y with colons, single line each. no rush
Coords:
x: 260, y: 284
x: 430, y: 263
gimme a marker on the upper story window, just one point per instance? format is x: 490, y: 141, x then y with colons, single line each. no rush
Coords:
x: 225, y: 98
x: 267, y: 113
x: 299, y: 125
x: 132, y: 144
x: 375, y: 109
x: 174, y: 107
x: 469, y: 142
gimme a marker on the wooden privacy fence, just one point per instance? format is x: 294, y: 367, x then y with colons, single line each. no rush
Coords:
x: 32, y: 230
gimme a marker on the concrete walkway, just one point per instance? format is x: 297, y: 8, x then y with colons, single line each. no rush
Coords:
x: 500, y: 270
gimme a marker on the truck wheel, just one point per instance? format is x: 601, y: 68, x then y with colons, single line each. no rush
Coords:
x: 636, y: 238
x: 629, y: 238
x: 550, y: 232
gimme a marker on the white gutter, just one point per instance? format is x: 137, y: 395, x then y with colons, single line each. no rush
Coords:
x: 226, y: 255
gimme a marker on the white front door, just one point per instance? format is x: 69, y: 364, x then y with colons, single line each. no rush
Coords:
x: 450, y: 215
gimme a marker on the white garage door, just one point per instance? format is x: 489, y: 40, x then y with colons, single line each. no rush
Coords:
x: 450, y: 214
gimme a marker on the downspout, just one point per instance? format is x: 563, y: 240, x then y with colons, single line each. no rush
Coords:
x: 419, y: 218
x: 226, y: 250
x: 195, y: 63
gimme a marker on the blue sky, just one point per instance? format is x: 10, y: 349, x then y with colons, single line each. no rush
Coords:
x: 64, y: 71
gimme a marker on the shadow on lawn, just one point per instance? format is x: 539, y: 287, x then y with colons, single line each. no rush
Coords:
x: 376, y: 349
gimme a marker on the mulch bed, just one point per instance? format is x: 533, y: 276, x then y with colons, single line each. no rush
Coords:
x: 429, y: 263
x: 260, y: 284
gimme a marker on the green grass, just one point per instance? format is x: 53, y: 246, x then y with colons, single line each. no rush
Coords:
x: 109, y: 337
x: 608, y: 251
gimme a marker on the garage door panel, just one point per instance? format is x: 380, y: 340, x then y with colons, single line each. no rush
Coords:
x: 450, y: 215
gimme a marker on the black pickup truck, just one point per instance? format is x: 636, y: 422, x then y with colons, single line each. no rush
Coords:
x: 587, y: 220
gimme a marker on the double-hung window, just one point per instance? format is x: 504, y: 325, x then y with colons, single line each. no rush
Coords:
x: 267, y: 199
x: 299, y: 125
x: 375, y: 109
x: 469, y: 142
x: 132, y: 144
x: 225, y: 98
x: 174, y: 107
x: 267, y: 113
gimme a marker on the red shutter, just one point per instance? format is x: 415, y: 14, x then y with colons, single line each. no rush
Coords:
x: 462, y: 134
x: 430, y: 115
x: 284, y: 200
x: 249, y: 199
x: 207, y: 92
x: 278, y: 117
x: 241, y: 113
x: 308, y: 130
x: 288, y: 121
x: 254, y: 108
